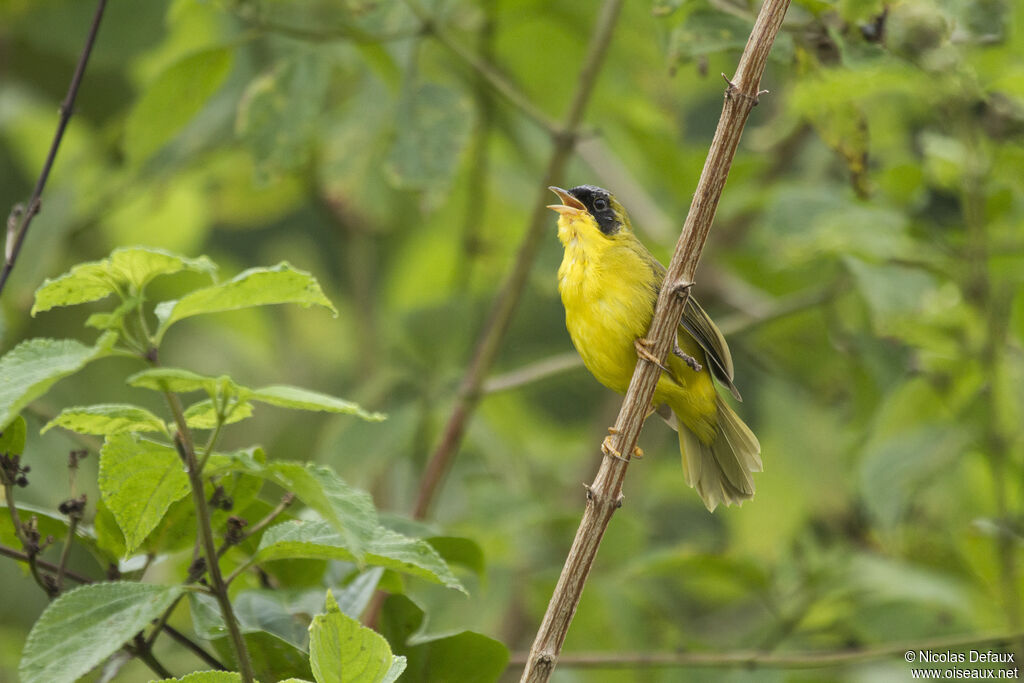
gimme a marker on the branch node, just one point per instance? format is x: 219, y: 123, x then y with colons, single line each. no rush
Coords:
x: 619, y: 500
x: 682, y: 289
x: 590, y: 492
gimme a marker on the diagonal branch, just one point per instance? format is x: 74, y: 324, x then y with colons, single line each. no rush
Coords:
x: 508, y: 299
x: 21, y: 216
x: 604, y: 496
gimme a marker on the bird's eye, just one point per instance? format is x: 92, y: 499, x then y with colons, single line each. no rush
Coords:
x: 600, y: 205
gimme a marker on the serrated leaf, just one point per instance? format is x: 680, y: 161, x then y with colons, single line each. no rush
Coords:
x: 384, y: 548
x: 432, y: 127
x: 81, y: 628
x: 304, y: 399
x: 203, y: 415
x: 459, y: 550
x: 343, y: 651
x: 12, y: 438
x: 349, y: 510
x: 172, y: 99
x: 280, y: 284
x: 127, y: 269
x: 182, y: 381
x: 139, y: 480
x: 29, y: 369
x: 276, y: 639
x: 107, y: 419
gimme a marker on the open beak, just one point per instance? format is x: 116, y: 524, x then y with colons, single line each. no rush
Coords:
x: 569, y: 205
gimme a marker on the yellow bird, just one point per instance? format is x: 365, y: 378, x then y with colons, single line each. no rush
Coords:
x: 609, y: 283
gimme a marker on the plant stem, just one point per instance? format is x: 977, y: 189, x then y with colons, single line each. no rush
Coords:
x: 186, y: 449
x: 604, y: 496
x: 82, y: 579
x: 769, y: 660
x: 508, y: 299
x: 18, y: 225
x: 66, y: 552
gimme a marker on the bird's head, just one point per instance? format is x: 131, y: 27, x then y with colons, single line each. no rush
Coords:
x: 589, y: 213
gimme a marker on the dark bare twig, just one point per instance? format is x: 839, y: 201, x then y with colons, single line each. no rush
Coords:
x: 22, y: 215
x: 604, y: 496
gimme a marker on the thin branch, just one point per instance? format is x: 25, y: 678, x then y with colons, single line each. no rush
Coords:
x: 533, y: 372
x: 23, y: 557
x: 83, y: 579
x: 286, y: 500
x: 604, y: 496
x: 770, y: 660
x: 508, y: 299
x: 21, y: 218
x: 186, y: 449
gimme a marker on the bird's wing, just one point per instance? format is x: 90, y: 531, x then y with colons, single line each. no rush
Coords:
x: 699, y: 325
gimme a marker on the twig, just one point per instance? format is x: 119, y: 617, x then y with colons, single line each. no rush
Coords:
x: 533, y: 372
x: 768, y: 660
x: 13, y: 474
x: 23, y: 557
x: 18, y: 225
x: 186, y: 449
x: 83, y: 579
x: 508, y: 299
x: 604, y: 496
x: 286, y: 500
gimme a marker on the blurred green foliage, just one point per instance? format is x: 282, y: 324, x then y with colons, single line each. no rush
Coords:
x: 879, y: 183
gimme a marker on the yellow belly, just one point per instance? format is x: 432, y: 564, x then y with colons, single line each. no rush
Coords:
x: 609, y: 303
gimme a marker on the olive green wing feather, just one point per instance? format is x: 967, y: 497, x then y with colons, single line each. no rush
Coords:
x: 699, y: 325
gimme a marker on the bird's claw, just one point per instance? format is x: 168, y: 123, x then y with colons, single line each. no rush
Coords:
x: 687, y: 358
x: 610, y: 451
x: 643, y: 350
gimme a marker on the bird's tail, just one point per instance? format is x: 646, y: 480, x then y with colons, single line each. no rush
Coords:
x: 722, y: 470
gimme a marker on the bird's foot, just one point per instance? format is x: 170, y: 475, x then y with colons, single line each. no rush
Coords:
x: 643, y: 350
x: 609, y: 450
x: 687, y: 358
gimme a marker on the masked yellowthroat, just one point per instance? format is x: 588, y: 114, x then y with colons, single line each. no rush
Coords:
x: 609, y: 282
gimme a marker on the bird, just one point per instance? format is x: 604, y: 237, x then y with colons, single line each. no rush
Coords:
x: 609, y: 283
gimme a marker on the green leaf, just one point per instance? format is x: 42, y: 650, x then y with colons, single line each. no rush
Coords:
x: 80, y: 629
x: 467, y: 657
x: 206, y: 677
x: 341, y: 650
x: 172, y: 99
x: 12, y: 438
x: 29, y: 369
x: 304, y: 399
x: 182, y: 381
x: 139, y: 480
x: 349, y: 510
x: 203, y: 415
x: 126, y: 270
x: 275, y: 637
x: 280, y: 284
x: 107, y: 418
x: 432, y: 126
x: 50, y: 523
x: 279, y: 113
x: 385, y: 548
x: 462, y: 551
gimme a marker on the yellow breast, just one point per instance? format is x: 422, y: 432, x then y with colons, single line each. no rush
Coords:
x: 608, y: 292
